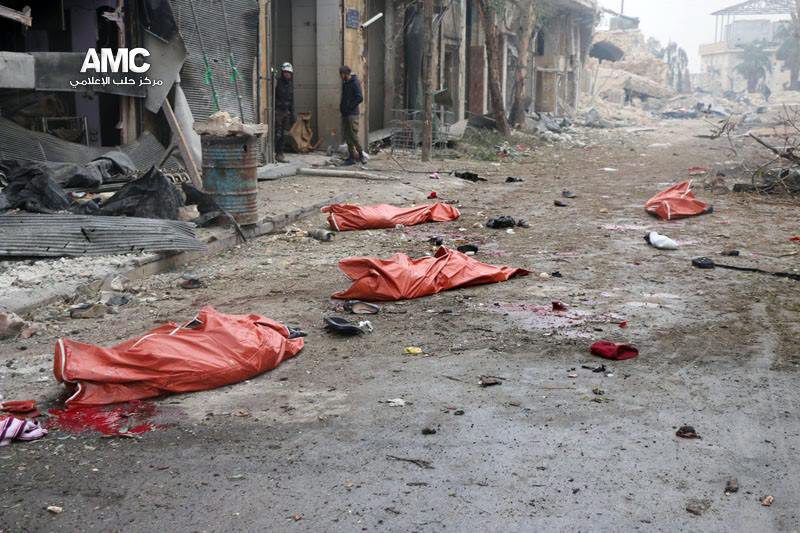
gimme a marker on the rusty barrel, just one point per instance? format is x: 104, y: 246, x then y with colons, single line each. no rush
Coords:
x: 230, y: 167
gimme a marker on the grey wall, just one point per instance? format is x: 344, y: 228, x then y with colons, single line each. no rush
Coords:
x: 329, y: 59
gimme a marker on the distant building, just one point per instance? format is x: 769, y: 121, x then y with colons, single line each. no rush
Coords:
x: 720, y: 58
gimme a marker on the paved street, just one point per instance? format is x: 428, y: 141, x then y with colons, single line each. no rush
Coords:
x: 314, y: 445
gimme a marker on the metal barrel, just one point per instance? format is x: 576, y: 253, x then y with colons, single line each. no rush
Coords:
x: 229, y: 174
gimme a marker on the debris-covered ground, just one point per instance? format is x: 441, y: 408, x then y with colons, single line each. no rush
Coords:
x: 504, y: 421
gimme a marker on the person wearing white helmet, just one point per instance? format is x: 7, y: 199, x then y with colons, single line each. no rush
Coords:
x: 284, y: 109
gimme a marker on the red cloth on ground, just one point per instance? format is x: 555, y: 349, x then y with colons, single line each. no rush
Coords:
x: 676, y: 202
x: 349, y: 217
x: 21, y: 408
x: 611, y: 350
x: 401, y: 277
x: 211, y: 351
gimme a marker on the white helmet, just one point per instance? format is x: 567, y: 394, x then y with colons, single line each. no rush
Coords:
x: 287, y: 67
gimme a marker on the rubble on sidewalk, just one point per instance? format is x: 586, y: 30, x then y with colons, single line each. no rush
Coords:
x: 11, y: 325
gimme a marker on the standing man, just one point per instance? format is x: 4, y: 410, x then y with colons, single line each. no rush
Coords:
x: 284, y: 109
x: 351, y: 98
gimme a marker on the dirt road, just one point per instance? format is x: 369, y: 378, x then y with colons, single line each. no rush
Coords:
x: 312, y: 446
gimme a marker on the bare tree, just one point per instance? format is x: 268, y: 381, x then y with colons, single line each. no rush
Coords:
x: 492, y: 15
x: 528, y: 20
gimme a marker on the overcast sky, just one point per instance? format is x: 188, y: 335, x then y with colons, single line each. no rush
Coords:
x: 687, y: 22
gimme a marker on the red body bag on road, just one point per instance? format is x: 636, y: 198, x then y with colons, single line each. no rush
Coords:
x: 348, y: 217
x: 676, y: 202
x: 401, y: 278
x: 210, y: 351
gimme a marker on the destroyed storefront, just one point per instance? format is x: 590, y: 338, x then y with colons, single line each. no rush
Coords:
x: 557, y: 54
x: 211, y: 65
x: 98, y: 107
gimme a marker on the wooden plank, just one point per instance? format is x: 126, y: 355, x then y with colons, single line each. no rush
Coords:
x: 23, y: 17
x: 183, y: 146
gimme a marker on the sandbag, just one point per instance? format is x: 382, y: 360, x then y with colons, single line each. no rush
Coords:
x: 349, y: 217
x: 400, y: 277
x: 210, y: 351
x: 300, y: 134
x: 677, y: 202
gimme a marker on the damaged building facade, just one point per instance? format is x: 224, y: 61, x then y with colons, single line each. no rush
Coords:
x: 388, y: 57
x: 209, y: 55
x: 740, y: 26
x: 59, y: 111
x: 625, y: 66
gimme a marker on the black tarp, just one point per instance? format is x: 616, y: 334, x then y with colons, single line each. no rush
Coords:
x: 71, y: 175
x: 151, y: 196
x: 30, y: 188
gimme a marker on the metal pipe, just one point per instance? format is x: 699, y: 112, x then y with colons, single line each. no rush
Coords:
x: 371, y: 21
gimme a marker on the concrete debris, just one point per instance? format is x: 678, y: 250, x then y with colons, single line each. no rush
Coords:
x: 11, y: 325
x: 698, y: 507
x: 593, y: 119
x: 115, y: 283
x: 644, y: 88
x: 321, y: 235
x: 541, y: 123
x: 221, y: 124
x: 88, y: 310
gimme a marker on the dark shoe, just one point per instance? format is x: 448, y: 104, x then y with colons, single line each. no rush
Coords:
x: 349, y: 162
x: 339, y: 325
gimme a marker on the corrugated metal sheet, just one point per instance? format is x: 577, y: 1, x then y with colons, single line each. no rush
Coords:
x: 243, y: 26
x: 21, y: 143
x: 29, y: 235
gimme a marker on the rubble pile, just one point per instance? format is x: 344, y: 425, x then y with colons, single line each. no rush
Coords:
x: 639, y: 74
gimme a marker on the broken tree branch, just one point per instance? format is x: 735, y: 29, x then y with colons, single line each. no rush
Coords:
x: 422, y: 463
x: 787, y: 154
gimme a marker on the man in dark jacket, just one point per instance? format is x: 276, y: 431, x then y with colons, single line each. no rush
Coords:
x: 349, y: 107
x: 284, y: 109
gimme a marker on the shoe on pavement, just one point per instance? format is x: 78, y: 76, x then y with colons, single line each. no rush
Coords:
x: 349, y: 162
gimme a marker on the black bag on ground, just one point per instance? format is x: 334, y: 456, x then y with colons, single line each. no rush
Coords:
x: 30, y: 188
x: 151, y: 196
